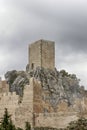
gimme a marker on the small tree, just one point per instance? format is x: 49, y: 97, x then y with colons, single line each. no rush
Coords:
x: 11, y: 126
x: 19, y: 128
x: 80, y: 124
x: 6, y: 122
x: 27, y: 126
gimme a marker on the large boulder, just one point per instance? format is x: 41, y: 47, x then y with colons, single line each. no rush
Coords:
x: 17, y: 80
x: 60, y: 85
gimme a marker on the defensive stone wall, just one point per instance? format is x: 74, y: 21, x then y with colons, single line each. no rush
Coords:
x: 54, y: 120
x: 21, y: 111
x: 24, y: 111
x: 37, y: 96
x: 31, y: 108
x: 9, y: 101
x: 4, y: 87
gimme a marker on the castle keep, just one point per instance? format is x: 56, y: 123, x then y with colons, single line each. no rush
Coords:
x: 42, y: 54
x: 50, y: 99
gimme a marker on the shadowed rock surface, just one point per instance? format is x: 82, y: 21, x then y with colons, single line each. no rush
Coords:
x: 61, y: 85
x: 17, y: 80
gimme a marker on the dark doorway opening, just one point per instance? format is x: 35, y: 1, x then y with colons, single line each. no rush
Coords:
x: 32, y: 66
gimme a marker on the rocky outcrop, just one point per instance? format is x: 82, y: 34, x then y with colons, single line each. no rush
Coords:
x: 61, y: 85
x: 55, y: 96
x: 17, y: 80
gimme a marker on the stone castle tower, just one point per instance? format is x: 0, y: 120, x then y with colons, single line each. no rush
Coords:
x: 42, y: 54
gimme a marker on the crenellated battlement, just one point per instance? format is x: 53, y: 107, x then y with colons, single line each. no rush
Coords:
x: 8, y: 94
x: 12, y: 96
x: 9, y: 99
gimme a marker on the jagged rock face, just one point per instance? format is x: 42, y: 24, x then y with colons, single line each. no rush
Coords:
x: 60, y: 85
x: 17, y: 80
x: 10, y: 76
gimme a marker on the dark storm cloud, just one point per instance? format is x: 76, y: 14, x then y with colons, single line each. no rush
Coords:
x: 24, y: 21
x: 66, y: 24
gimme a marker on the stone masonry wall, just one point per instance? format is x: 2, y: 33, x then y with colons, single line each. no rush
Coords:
x: 54, y: 120
x: 20, y: 111
x: 34, y: 109
x: 37, y: 97
x: 42, y: 54
x: 35, y: 55
x: 9, y: 101
x: 4, y: 87
x: 24, y: 112
x: 48, y: 54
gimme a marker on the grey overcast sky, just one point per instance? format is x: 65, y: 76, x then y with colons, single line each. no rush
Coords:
x: 63, y: 21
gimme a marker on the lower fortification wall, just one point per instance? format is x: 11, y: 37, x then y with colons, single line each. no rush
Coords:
x: 24, y: 112
x: 54, y: 120
x: 10, y: 101
x: 21, y: 111
x: 31, y: 108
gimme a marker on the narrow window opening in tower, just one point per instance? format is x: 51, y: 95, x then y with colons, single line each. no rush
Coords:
x: 32, y: 66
